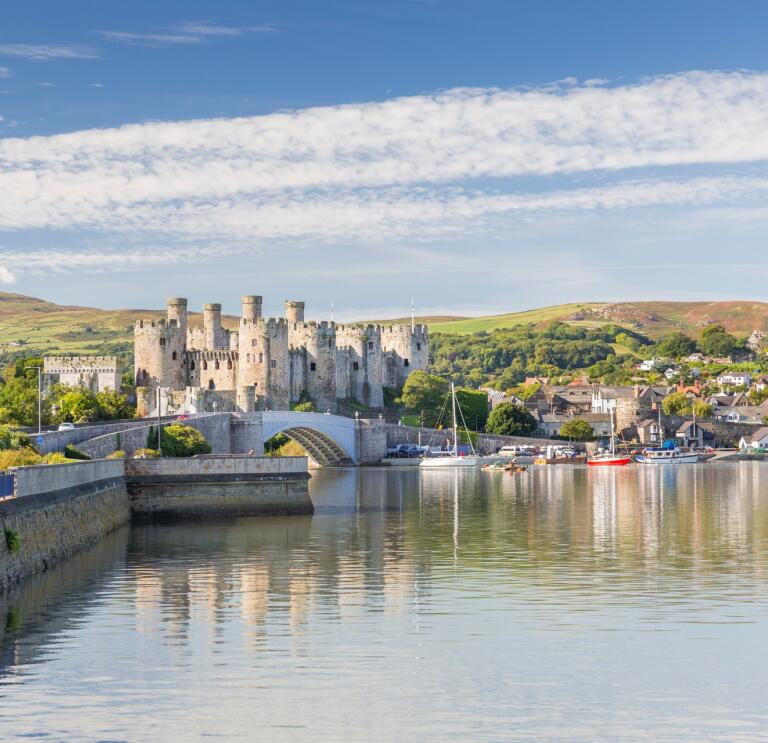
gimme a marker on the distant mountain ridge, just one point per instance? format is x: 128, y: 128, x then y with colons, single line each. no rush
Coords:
x: 29, y: 323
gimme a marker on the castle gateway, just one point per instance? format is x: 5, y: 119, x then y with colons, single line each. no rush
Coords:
x: 268, y: 363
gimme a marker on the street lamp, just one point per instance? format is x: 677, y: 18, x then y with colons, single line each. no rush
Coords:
x: 39, y: 401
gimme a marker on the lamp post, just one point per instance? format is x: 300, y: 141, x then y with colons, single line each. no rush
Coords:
x: 159, y: 425
x: 39, y: 400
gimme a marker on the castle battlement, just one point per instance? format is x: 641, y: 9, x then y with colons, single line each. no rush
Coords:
x: 282, y: 359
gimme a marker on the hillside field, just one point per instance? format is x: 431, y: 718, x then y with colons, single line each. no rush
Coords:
x: 31, y: 324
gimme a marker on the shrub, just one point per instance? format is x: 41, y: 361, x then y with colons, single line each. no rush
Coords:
x: 56, y: 457
x: 177, y: 440
x: 146, y: 454
x: 71, y: 453
x: 119, y: 454
x: 19, y: 458
x: 577, y: 430
x: 11, y: 438
x: 12, y: 540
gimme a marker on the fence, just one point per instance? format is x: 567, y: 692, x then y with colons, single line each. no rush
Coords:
x: 7, y: 482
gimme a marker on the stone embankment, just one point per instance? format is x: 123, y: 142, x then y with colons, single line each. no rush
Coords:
x: 57, y: 510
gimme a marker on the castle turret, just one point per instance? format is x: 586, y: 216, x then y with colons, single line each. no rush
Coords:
x: 251, y: 304
x: 264, y: 360
x: 407, y: 346
x: 159, y: 350
x: 317, y: 341
x: 363, y: 344
x: 177, y: 310
x: 294, y: 311
x: 214, y: 334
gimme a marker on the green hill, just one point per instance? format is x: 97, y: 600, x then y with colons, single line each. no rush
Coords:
x: 31, y: 324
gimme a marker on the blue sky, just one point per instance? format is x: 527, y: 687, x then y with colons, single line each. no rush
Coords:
x: 479, y: 156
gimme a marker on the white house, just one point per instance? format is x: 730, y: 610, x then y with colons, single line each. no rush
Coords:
x: 648, y: 364
x: 735, y: 379
x: 758, y: 439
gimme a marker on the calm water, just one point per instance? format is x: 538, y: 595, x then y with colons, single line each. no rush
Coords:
x: 560, y: 604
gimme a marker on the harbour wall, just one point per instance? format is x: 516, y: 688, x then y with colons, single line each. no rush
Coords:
x: 59, y: 510
x: 218, y: 486
x: 487, y: 443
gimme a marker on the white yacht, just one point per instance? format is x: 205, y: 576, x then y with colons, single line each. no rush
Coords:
x: 667, y: 455
x: 453, y: 458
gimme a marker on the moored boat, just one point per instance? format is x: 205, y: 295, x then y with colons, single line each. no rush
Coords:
x: 453, y: 458
x: 609, y: 458
x: 669, y: 453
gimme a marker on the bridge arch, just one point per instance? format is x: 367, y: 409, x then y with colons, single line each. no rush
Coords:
x: 328, y: 439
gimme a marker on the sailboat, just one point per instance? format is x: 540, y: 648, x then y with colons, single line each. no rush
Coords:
x: 452, y: 458
x: 610, y: 459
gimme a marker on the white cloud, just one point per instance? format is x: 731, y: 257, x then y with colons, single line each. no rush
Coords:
x: 6, y: 276
x: 45, y: 52
x: 456, y: 163
x: 96, y: 85
x: 5, y: 72
x: 192, y: 32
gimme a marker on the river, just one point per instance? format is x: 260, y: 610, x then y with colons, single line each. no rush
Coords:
x: 556, y: 604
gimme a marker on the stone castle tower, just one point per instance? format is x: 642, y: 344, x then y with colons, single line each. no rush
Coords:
x: 268, y: 363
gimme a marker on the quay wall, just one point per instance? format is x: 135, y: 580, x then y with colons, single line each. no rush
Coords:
x: 214, y: 486
x: 59, y: 510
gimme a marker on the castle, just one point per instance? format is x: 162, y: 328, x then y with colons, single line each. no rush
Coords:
x: 94, y: 373
x: 268, y: 363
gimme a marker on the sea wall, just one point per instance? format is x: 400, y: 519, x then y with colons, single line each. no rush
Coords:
x: 216, y: 486
x: 59, y: 510
x: 487, y: 443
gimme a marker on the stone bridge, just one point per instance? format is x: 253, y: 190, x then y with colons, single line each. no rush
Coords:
x: 329, y: 440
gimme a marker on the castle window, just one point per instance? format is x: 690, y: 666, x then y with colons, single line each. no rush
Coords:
x: 192, y: 365
x: 330, y: 344
x: 229, y: 364
x: 273, y: 363
x: 418, y: 346
x: 254, y: 342
x: 312, y: 366
x: 174, y: 356
x: 370, y: 345
x: 205, y: 364
x: 261, y: 358
x: 162, y: 343
x: 216, y: 364
x: 248, y: 358
x: 355, y: 366
x: 211, y: 385
x: 406, y: 362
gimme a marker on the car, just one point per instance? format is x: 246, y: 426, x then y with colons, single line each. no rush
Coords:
x: 66, y: 426
x: 182, y: 417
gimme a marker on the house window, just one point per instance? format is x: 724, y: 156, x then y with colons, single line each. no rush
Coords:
x: 418, y: 346
x: 254, y: 342
x: 312, y: 366
x: 406, y: 362
x: 273, y: 363
x: 355, y: 366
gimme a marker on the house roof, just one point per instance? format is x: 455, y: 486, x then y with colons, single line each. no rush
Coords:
x: 761, y: 433
x: 647, y: 423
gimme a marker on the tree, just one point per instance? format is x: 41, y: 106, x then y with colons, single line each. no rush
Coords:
x: 677, y: 345
x: 578, y: 430
x: 113, y: 405
x: 424, y: 392
x: 474, y: 407
x: 304, y: 407
x: 177, y: 440
x: 716, y: 341
x: 702, y: 409
x: 510, y: 420
x: 678, y: 403
x: 76, y: 405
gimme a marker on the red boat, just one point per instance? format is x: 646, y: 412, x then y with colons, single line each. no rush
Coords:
x: 609, y: 460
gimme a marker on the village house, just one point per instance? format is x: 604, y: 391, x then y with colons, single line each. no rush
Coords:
x: 734, y: 379
x: 756, y: 440
x: 551, y: 423
x: 691, y: 433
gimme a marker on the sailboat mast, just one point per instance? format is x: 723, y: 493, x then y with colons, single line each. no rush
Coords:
x: 453, y: 415
x: 613, y: 441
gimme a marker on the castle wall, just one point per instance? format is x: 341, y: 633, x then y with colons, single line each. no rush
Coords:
x: 94, y: 373
x: 271, y: 362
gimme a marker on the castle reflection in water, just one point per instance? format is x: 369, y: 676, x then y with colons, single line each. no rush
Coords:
x: 382, y: 540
